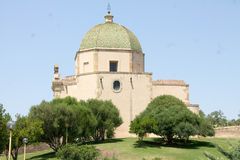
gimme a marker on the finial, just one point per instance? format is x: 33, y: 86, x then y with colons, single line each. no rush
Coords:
x: 56, y: 72
x: 109, y: 8
x: 56, y: 68
x: 109, y: 17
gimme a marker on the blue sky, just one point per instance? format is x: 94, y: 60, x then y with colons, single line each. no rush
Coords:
x: 196, y: 41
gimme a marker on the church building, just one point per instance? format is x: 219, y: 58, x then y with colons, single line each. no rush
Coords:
x: 109, y: 65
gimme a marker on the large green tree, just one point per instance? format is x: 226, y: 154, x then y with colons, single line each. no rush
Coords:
x: 107, y: 117
x: 64, y: 120
x: 25, y: 127
x: 168, y: 117
x: 4, y: 118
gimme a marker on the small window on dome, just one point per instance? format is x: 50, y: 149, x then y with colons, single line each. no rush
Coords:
x: 113, y: 66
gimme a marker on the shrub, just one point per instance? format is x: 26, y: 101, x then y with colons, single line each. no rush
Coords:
x: 75, y: 152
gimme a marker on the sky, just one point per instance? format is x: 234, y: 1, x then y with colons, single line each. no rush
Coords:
x: 195, y: 41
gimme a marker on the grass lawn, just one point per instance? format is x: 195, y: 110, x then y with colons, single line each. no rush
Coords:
x: 129, y: 149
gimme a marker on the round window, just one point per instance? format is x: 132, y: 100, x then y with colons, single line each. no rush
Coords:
x: 116, y: 85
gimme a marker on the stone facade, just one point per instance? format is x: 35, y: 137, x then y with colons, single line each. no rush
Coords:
x: 116, y: 73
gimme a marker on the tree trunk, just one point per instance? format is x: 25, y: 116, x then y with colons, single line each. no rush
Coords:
x: 14, y: 153
x: 6, y: 153
x: 169, y: 139
x: 55, y: 143
x: 102, y: 134
x: 66, y: 140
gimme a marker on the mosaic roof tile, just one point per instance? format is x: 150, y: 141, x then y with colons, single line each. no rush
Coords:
x: 110, y: 35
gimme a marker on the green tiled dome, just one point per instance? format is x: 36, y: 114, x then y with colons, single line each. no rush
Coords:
x: 110, y: 35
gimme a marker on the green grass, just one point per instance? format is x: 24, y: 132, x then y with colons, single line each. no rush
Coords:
x: 129, y: 149
x: 41, y: 155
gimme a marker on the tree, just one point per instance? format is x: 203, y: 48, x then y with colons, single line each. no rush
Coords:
x: 184, y: 130
x: 217, y: 119
x: 233, y: 153
x: 175, y: 121
x: 64, y: 119
x: 107, y: 117
x: 234, y: 122
x: 25, y: 128
x: 202, y: 114
x: 238, y: 120
x: 141, y: 125
x: 205, y: 128
x: 167, y: 116
x: 4, y: 118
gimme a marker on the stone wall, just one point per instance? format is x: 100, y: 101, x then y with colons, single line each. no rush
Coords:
x: 228, y: 132
x: 177, y: 88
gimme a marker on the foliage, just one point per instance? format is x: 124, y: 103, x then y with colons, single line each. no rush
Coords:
x: 234, y: 122
x: 75, y: 152
x: 205, y: 128
x: 237, y: 123
x: 142, y: 125
x: 202, y: 114
x: 67, y: 120
x: 217, y: 119
x: 25, y: 128
x: 175, y: 121
x: 184, y: 130
x: 77, y: 120
x: 233, y: 153
x: 64, y: 119
x: 169, y: 117
x: 4, y: 118
x: 107, y: 117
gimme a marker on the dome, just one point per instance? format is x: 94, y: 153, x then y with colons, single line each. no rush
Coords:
x: 110, y: 35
